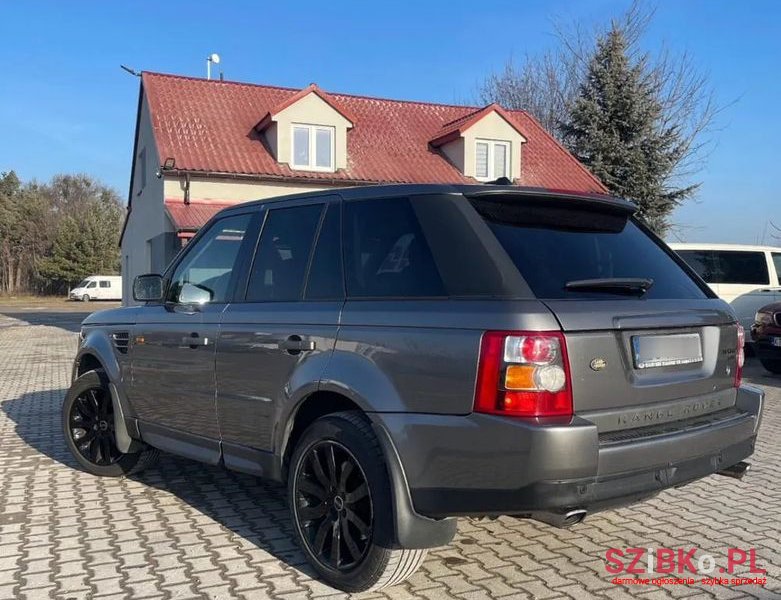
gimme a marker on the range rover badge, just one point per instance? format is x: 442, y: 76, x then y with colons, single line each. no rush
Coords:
x: 598, y: 364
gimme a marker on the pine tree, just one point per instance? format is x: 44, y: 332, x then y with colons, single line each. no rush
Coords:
x: 616, y: 128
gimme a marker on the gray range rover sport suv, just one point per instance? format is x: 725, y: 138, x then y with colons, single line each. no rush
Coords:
x: 401, y: 356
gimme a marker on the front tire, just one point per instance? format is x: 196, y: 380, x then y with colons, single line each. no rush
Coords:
x: 772, y: 364
x: 85, y: 298
x: 88, y: 427
x: 340, y: 500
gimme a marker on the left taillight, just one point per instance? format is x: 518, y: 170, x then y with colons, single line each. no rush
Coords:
x: 523, y: 374
x: 740, y: 355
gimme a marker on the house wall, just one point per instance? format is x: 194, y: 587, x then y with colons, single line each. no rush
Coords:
x: 491, y: 127
x: 231, y: 189
x: 148, y: 230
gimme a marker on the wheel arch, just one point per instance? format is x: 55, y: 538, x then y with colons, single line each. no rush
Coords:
x: 97, y: 351
x: 410, y: 530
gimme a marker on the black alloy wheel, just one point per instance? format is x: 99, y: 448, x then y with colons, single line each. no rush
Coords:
x: 333, y: 506
x: 91, y: 427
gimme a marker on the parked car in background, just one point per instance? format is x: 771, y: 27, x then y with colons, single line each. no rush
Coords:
x: 745, y: 276
x: 404, y: 355
x: 98, y: 287
x: 766, y: 336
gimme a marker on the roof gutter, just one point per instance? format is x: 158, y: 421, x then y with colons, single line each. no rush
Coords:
x: 187, y: 173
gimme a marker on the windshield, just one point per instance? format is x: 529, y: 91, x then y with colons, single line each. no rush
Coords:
x: 554, y: 245
x: 83, y: 283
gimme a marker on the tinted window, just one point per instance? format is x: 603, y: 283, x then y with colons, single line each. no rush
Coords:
x: 205, y: 271
x: 553, y: 245
x: 325, y: 274
x: 777, y: 263
x: 386, y: 254
x: 704, y: 263
x: 105, y: 284
x: 728, y: 266
x: 283, y: 254
x: 743, y: 267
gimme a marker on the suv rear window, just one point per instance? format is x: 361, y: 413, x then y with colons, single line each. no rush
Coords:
x: 553, y: 243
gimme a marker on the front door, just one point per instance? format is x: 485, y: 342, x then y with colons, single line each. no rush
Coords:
x: 286, y: 324
x: 174, y: 342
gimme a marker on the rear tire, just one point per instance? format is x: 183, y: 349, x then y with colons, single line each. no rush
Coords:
x: 341, y: 504
x: 88, y: 427
x: 772, y: 364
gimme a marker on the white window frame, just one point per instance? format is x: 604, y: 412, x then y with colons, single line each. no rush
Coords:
x: 312, y: 166
x: 491, y: 150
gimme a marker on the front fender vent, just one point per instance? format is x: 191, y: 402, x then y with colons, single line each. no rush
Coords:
x: 121, y: 341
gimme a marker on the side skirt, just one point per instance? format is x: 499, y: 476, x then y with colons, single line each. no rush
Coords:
x: 208, y: 450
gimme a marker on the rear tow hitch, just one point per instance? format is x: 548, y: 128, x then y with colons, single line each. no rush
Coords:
x: 561, y: 520
x: 736, y: 471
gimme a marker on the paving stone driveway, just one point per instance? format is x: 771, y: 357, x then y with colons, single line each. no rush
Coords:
x: 185, y: 530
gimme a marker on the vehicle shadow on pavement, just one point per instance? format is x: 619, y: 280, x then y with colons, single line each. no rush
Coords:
x: 251, y: 513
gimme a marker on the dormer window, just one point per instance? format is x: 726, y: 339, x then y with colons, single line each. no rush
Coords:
x: 313, y: 147
x: 492, y: 159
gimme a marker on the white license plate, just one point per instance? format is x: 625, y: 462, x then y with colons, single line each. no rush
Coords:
x: 651, y: 351
x: 775, y: 341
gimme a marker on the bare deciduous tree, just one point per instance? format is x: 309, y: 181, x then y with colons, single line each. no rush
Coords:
x: 548, y: 84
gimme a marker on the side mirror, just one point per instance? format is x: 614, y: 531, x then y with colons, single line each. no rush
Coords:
x: 148, y: 288
x: 194, y: 294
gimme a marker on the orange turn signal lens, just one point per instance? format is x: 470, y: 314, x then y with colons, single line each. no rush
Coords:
x: 519, y: 377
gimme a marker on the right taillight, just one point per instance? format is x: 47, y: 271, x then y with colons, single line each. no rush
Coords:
x: 740, y: 355
x: 523, y: 374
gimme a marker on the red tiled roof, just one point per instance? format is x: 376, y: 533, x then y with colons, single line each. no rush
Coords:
x: 192, y: 216
x: 209, y: 126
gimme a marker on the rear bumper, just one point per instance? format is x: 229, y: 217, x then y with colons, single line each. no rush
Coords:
x: 487, y: 465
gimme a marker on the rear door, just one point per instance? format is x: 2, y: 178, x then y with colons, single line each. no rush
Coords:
x: 104, y: 289
x: 285, y: 322
x: 671, y: 348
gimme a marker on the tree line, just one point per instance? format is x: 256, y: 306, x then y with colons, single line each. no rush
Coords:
x: 640, y: 121
x: 54, y: 234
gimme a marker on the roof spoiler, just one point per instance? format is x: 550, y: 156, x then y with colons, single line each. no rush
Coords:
x: 498, y: 191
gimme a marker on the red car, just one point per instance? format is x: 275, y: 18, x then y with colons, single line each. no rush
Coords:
x: 766, y: 335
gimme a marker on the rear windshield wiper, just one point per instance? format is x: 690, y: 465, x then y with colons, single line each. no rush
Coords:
x: 614, y: 285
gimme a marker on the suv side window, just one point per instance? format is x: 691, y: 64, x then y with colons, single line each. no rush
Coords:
x: 325, y: 275
x: 282, y: 256
x: 386, y: 254
x: 206, y: 270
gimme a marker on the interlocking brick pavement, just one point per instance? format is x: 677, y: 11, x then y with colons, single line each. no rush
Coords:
x: 186, y: 530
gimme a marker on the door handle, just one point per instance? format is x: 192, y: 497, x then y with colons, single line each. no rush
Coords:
x: 294, y: 344
x: 194, y: 340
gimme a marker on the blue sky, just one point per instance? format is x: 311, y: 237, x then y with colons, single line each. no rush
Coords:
x: 65, y: 105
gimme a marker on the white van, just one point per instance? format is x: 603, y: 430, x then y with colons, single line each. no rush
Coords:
x: 745, y: 276
x: 98, y: 287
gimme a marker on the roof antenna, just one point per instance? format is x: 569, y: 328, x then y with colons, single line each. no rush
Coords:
x: 130, y: 70
x: 212, y: 58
